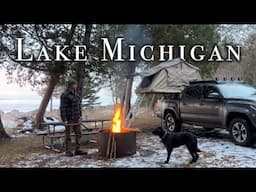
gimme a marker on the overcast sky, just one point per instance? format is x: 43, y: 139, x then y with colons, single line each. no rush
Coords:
x: 13, y: 89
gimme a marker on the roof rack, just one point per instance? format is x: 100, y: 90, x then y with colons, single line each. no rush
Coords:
x: 232, y: 81
x: 200, y: 82
x: 216, y: 82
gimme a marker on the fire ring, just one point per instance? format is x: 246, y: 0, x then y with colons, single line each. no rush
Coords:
x: 117, y: 141
x: 114, y: 145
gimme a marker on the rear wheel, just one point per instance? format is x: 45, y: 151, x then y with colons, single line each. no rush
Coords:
x: 171, y: 123
x: 240, y: 132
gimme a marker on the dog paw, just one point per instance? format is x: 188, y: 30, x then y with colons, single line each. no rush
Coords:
x: 166, y: 162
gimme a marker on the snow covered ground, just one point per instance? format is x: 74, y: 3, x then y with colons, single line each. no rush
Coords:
x: 151, y: 154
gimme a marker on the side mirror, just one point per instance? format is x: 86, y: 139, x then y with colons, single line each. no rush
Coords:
x: 215, y: 95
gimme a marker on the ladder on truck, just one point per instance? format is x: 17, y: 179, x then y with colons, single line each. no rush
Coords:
x: 134, y: 110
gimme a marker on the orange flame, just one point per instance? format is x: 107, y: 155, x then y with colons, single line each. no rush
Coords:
x: 117, y: 121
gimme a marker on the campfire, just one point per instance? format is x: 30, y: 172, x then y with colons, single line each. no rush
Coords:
x: 117, y: 141
x: 118, y: 121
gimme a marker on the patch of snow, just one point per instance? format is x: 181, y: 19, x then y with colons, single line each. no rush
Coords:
x: 227, y: 154
x: 50, y: 119
x: 223, y: 131
x: 151, y: 154
x: 10, y: 124
x: 18, y: 135
x: 27, y: 126
x: 58, y: 128
x: 92, y: 151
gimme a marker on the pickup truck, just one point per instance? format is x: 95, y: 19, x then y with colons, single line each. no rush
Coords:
x: 229, y: 105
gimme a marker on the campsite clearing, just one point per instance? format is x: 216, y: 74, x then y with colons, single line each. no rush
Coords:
x: 218, y: 151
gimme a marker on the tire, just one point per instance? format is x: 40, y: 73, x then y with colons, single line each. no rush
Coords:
x: 240, y: 132
x: 171, y: 123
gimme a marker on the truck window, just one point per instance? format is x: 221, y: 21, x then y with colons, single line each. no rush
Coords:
x: 211, y: 92
x: 193, y: 92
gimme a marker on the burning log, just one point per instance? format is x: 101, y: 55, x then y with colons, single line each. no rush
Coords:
x: 117, y: 141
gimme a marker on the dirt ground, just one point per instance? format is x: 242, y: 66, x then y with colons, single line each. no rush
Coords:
x: 217, y: 151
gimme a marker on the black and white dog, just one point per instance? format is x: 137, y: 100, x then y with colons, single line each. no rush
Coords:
x: 173, y: 140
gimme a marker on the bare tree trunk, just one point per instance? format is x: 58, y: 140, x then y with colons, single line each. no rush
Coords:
x: 127, y: 97
x: 48, y: 93
x: 51, y: 104
x: 54, y: 77
x: 80, y: 72
x: 126, y: 104
x: 3, y: 134
x: 80, y: 76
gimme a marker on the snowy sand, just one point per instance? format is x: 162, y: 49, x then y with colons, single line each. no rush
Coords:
x: 151, y: 154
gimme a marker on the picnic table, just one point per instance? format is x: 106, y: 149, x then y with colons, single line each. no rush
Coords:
x: 52, y: 134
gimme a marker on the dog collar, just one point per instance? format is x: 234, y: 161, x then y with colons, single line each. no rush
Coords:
x: 164, y: 135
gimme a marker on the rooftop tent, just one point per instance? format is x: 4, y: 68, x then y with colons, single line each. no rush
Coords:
x: 168, y: 77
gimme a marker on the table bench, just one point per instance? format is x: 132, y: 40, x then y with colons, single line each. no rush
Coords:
x: 53, y: 135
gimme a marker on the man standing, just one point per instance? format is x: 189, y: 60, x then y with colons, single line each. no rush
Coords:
x: 71, y: 113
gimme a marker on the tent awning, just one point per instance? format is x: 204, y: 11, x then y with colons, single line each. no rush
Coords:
x: 168, y: 77
x: 166, y: 64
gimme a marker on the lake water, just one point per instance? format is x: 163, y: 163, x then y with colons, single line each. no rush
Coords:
x: 32, y: 102
x: 14, y: 97
x: 23, y: 104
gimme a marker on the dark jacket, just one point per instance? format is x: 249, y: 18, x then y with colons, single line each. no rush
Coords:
x: 70, y: 106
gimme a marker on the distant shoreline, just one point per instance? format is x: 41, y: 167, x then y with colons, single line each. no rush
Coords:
x: 11, y: 119
x: 16, y: 110
x: 25, y: 103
